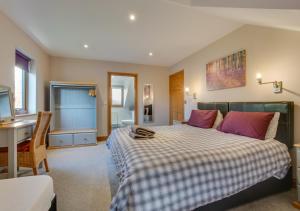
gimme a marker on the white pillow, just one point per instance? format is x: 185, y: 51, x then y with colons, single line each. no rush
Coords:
x: 272, y: 129
x: 218, y: 120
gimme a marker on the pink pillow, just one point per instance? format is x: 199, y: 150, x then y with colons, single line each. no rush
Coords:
x: 251, y: 124
x: 203, y: 118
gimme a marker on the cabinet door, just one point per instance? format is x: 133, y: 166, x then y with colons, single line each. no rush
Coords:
x: 85, y: 138
x: 60, y: 140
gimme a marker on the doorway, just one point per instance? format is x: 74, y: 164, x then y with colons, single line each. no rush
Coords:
x: 122, y: 100
x: 176, y: 88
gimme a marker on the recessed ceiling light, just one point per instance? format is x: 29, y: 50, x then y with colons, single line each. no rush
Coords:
x: 150, y: 54
x: 132, y: 17
x: 86, y: 46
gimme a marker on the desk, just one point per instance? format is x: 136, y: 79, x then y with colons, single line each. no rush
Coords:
x: 12, y: 134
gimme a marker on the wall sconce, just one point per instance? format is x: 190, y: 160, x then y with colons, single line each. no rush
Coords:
x: 277, y: 85
x: 187, y: 92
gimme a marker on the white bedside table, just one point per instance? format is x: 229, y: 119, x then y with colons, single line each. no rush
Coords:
x: 296, y: 204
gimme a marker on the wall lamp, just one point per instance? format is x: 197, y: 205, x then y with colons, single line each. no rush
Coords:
x: 277, y: 85
x: 187, y: 92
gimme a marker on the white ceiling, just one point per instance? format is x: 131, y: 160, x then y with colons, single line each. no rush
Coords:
x: 284, y: 14
x: 277, y: 18
x: 171, y: 29
x: 259, y: 4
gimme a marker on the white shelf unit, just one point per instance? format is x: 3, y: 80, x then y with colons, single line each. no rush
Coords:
x: 74, y: 120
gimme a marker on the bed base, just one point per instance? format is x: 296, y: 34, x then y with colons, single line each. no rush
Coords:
x: 258, y: 191
x: 53, y: 205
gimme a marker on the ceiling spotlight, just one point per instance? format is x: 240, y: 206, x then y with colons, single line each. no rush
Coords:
x: 132, y: 17
x: 85, y: 46
x: 150, y: 54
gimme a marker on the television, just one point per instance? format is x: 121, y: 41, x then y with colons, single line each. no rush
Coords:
x: 7, y: 113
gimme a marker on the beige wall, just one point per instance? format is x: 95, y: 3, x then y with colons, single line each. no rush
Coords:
x: 46, y: 68
x: 65, y: 69
x: 273, y: 52
x: 12, y: 37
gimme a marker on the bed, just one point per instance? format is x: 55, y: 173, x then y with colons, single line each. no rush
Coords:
x: 27, y: 194
x: 188, y: 168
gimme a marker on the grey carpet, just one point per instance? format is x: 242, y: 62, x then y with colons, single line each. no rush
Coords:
x: 85, y: 179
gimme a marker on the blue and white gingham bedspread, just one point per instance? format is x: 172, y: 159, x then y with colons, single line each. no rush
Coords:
x: 186, y: 167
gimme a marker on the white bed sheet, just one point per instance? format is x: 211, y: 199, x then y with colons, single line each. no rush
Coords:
x: 34, y: 193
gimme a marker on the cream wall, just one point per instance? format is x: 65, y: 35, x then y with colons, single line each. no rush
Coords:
x: 12, y: 37
x: 274, y: 53
x: 65, y: 69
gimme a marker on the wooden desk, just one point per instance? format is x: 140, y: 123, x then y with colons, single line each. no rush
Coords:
x: 12, y: 134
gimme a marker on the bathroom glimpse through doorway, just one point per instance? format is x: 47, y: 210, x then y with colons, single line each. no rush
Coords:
x: 122, y: 100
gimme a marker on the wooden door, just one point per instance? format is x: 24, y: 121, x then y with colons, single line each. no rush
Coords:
x: 176, y: 87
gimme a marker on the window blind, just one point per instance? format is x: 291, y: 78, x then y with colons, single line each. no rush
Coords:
x: 22, y: 61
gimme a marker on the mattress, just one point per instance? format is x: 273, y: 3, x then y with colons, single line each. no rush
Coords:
x: 33, y: 193
x: 185, y: 167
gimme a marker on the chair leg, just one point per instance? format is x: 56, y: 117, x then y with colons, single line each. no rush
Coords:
x: 35, y: 171
x: 46, y: 165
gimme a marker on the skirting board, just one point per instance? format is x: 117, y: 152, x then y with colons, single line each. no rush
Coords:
x: 71, y: 146
x: 101, y: 138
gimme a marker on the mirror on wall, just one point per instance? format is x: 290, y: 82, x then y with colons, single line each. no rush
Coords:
x: 6, y: 104
x: 148, y: 103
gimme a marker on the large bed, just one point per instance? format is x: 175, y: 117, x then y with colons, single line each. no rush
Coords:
x: 187, y: 168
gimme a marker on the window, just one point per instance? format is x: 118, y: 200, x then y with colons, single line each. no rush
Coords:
x: 117, y: 96
x: 21, y: 82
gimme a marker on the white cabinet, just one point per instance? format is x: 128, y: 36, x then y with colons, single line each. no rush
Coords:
x: 72, y: 138
x: 298, y: 170
x: 297, y: 203
x: 74, y: 108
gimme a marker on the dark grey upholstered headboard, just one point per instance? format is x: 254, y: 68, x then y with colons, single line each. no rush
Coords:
x: 222, y: 106
x: 285, y: 131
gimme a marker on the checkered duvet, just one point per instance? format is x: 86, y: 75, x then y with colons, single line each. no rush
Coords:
x: 185, y: 167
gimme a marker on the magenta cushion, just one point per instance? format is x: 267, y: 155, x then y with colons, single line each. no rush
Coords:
x: 203, y: 118
x: 251, y: 124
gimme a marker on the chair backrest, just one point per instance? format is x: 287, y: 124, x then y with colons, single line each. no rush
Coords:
x: 40, y: 131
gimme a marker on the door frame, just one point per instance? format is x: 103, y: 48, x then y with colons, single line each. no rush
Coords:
x: 109, y: 97
x: 170, y: 101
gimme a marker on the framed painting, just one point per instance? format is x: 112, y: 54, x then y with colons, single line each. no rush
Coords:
x: 227, y: 72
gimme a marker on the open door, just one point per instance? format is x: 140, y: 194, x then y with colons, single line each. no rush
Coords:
x: 122, y: 100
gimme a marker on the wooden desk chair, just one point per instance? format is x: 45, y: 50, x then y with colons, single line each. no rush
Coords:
x: 32, y: 152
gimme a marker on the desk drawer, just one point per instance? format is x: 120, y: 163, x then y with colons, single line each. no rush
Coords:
x: 24, y: 133
x: 61, y: 140
x: 85, y: 138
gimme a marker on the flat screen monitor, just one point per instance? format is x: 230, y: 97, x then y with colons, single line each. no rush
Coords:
x: 6, y: 107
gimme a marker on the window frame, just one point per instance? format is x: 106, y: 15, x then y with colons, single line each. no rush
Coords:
x: 23, y: 110
x: 122, y: 96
